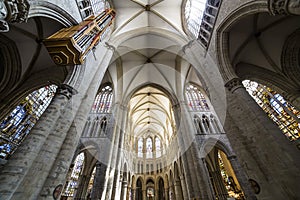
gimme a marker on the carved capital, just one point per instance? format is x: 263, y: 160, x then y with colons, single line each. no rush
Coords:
x: 233, y: 84
x: 284, y: 7
x: 278, y: 7
x: 12, y: 11
x: 66, y: 91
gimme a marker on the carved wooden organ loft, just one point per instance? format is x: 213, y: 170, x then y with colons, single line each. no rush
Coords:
x: 69, y: 46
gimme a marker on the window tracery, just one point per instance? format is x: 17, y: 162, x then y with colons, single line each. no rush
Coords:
x: 17, y: 125
x: 196, y: 99
x: 285, y: 115
x: 103, y: 101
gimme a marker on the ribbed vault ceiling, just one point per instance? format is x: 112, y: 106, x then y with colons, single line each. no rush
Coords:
x: 134, y: 14
x: 150, y: 111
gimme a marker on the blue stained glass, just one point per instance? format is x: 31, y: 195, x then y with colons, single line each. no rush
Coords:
x: 17, y: 125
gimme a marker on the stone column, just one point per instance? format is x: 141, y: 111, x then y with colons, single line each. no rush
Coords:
x: 112, y: 182
x: 99, y: 180
x: 144, y: 194
x: 124, y: 190
x: 184, y: 187
x: 241, y: 177
x: 166, y: 194
x: 203, y: 184
x: 21, y: 161
x: 83, y: 179
x: 178, y: 190
x: 61, y: 165
x: 34, y: 179
x: 133, y: 191
x: 260, y: 146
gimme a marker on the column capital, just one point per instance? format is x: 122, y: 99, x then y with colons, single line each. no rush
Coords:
x: 284, y: 7
x: 233, y: 84
x: 13, y: 11
x: 66, y: 90
x: 231, y: 157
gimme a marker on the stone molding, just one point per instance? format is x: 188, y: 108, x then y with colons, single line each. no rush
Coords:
x: 284, y: 7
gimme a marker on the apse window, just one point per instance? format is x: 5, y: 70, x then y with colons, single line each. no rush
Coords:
x: 200, y: 18
x: 17, y: 125
x: 284, y: 114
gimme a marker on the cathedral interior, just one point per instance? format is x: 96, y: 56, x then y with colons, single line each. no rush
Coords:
x: 149, y: 99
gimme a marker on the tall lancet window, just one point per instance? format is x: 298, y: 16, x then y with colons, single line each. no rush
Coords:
x: 73, y: 179
x: 103, y: 101
x: 158, y: 147
x: 196, y: 99
x: 286, y: 116
x: 149, y: 147
x: 17, y: 125
x: 140, y: 147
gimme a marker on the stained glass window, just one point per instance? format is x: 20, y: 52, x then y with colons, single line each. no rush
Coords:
x: 140, y: 147
x: 91, y: 182
x: 149, y: 147
x: 158, y: 147
x: 196, y: 99
x: 285, y: 115
x: 103, y: 101
x: 231, y: 185
x: 17, y: 125
x: 73, y: 179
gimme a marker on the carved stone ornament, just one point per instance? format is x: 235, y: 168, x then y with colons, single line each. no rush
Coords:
x: 3, y: 14
x: 12, y: 11
x: 17, y: 10
x: 284, y: 7
x: 233, y: 84
x: 66, y: 91
x: 278, y: 7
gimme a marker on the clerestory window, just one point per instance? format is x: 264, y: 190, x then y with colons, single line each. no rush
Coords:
x: 103, y: 101
x: 196, y: 99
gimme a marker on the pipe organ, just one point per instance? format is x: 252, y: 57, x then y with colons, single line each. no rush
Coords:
x: 69, y: 46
